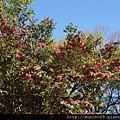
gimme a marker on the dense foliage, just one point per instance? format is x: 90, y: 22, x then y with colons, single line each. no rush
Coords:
x: 37, y: 76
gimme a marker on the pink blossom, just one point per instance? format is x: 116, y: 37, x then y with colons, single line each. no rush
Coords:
x: 39, y: 75
x: 6, y: 26
x: 107, y: 92
x: 59, y: 78
x: 79, y: 31
x: 112, y: 62
x: 60, y: 83
x: 88, y: 64
x: 60, y: 47
x: 86, y: 103
x: 72, y: 86
x: 85, y: 54
x: 81, y: 46
x: 118, y: 79
x: 17, y: 17
x: 111, y: 74
x: 37, y: 68
x: 99, y: 74
x: 23, y: 55
x: 28, y: 76
x: 114, y: 76
x: 100, y: 42
x: 111, y: 49
x: 102, y: 49
x: 78, y: 56
x: 23, y: 31
x: 96, y: 67
x: 91, y: 74
x: 99, y: 64
x: 57, y: 54
x: 75, y: 102
x: 55, y: 48
x: 104, y: 60
x: 84, y: 48
x: 115, y: 42
x: 69, y: 99
x: 24, y: 67
x: 6, y: 20
x: 33, y: 23
x: 101, y: 105
x: 62, y: 102
x: 16, y: 55
x: 43, y: 45
x: 106, y: 75
x: 108, y: 44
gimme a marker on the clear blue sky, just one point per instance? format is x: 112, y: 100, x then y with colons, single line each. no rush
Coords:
x: 86, y: 14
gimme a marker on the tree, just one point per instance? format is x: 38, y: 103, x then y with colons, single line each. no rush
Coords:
x: 88, y: 62
x: 106, y: 35
x: 23, y: 48
x: 37, y: 76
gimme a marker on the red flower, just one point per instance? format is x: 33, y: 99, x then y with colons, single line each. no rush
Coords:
x: 88, y: 64
x: 37, y: 68
x: 107, y: 92
x: 28, y: 76
x: 43, y: 45
x: 87, y: 104
x: 91, y: 74
x: 111, y: 49
x: 23, y: 55
x: 99, y: 74
x: 99, y: 64
x: 62, y: 102
x: 106, y: 75
x: 108, y: 44
x: 60, y: 47
x: 39, y: 75
x: 55, y: 48
x: 101, y: 105
x: 33, y: 23
x: 95, y: 42
x: 69, y: 99
x: 102, y: 49
x: 23, y: 31
x: 59, y: 78
x: 16, y: 55
x: 116, y: 42
x: 75, y: 102
x: 79, y: 31
x: 84, y: 48
x: 6, y: 26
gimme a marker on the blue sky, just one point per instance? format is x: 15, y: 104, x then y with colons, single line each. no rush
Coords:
x: 86, y: 14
